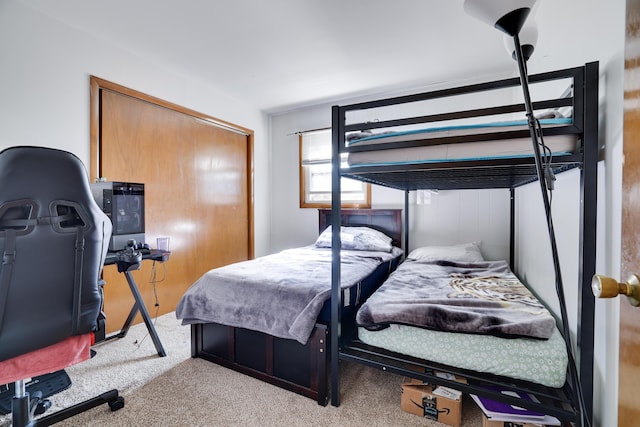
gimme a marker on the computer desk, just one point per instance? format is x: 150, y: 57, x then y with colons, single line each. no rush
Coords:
x: 126, y: 268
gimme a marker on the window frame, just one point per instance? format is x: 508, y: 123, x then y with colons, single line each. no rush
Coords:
x: 365, y: 204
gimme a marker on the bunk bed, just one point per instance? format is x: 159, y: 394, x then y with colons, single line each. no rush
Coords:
x: 239, y: 314
x: 433, y: 159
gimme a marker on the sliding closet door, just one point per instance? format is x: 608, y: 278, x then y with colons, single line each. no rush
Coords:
x: 197, y: 176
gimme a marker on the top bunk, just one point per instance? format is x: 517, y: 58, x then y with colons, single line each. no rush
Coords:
x: 470, y: 137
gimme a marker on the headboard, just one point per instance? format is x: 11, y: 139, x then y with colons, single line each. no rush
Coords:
x: 389, y: 221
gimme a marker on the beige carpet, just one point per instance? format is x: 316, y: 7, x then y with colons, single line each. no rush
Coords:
x: 180, y: 391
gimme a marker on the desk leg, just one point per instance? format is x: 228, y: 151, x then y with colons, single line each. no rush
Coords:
x: 128, y: 322
x: 145, y: 314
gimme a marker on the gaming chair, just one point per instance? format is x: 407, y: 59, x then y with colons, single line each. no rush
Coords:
x: 53, y: 239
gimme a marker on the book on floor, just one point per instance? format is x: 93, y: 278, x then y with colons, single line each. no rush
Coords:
x: 502, y: 411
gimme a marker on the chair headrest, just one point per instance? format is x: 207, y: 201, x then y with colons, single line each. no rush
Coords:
x: 43, y: 174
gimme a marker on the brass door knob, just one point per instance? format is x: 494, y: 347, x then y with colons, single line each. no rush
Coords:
x: 607, y: 287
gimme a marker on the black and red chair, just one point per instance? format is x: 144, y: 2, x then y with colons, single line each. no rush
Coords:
x: 53, y: 241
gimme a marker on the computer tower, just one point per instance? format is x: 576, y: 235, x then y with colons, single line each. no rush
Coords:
x: 123, y: 203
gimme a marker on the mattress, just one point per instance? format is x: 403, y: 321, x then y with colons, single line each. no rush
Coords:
x: 450, y: 308
x: 539, y: 361
x: 460, y: 151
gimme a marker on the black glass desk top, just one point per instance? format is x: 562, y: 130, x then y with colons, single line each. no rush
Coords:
x: 147, y: 254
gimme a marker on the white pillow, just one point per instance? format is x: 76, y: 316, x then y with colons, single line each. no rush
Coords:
x: 464, y: 252
x: 357, y: 239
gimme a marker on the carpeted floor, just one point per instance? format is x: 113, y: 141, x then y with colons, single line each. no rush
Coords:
x: 180, y: 391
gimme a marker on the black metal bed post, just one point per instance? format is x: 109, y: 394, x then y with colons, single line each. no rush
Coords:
x: 337, y: 137
x: 512, y: 228
x: 588, y: 223
x: 406, y: 223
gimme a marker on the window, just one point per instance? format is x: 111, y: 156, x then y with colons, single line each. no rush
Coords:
x: 315, y: 175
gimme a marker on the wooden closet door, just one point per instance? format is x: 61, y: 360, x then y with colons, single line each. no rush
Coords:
x: 197, y: 191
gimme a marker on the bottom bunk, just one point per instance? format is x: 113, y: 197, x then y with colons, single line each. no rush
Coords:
x: 445, y: 314
x: 556, y: 402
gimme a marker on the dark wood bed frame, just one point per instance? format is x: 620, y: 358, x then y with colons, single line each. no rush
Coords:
x: 281, y: 362
x: 286, y: 363
x: 476, y: 174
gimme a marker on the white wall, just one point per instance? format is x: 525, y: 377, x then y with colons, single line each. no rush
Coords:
x: 44, y: 92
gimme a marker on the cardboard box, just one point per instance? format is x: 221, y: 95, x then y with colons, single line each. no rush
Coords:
x: 429, y: 401
x: 488, y: 423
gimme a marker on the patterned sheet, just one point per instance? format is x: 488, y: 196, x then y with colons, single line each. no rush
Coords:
x: 481, y: 298
x: 539, y: 361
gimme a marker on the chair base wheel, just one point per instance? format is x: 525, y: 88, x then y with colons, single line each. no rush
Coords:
x: 117, y: 404
x: 41, y: 406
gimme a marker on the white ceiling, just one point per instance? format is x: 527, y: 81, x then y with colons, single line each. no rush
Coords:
x: 282, y: 54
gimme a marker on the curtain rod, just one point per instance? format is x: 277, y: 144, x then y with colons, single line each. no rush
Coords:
x: 325, y: 128
x: 300, y: 132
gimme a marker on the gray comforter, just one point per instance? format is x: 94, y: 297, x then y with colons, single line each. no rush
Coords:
x: 483, y: 298
x: 280, y: 294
